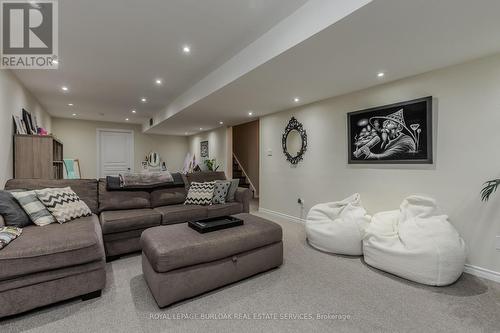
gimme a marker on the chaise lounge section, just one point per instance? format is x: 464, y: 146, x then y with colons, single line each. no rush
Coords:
x: 55, y: 262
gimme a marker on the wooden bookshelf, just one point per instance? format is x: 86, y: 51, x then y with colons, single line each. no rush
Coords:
x: 39, y: 157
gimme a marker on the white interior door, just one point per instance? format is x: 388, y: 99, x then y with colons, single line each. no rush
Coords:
x: 115, y: 152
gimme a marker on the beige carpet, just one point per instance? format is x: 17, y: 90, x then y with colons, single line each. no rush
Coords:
x: 310, y: 283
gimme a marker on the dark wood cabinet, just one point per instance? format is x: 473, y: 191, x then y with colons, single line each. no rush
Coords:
x: 39, y: 157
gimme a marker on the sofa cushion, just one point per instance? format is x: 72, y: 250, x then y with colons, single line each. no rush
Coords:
x: 125, y: 220
x: 171, y: 247
x: 168, y: 196
x: 181, y: 213
x: 52, y: 247
x: 86, y: 189
x: 229, y: 208
x: 118, y: 200
x: 205, y: 176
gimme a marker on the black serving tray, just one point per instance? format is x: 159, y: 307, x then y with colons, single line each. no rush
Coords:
x: 215, y: 223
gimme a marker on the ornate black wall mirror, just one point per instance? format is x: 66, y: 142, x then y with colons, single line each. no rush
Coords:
x: 294, y: 141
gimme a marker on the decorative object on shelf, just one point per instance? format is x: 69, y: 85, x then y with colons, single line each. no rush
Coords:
x: 72, y: 168
x: 204, y: 149
x: 153, y: 159
x: 489, y: 188
x: 396, y: 133
x: 211, y: 165
x: 144, y: 166
x: 29, y: 123
x: 163, y: 166
x: 294, y: 141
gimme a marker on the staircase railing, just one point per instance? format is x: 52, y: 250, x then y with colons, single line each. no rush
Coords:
x: 252, y: 187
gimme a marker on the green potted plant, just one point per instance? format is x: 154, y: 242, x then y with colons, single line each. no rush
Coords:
x: 211, y: 165
x: 489, y: 188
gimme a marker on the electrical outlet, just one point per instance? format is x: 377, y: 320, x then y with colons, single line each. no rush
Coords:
x: 498, y: 243
x: 269, y: 152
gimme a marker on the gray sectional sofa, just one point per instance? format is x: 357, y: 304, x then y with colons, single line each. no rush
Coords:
x: 61, y: 261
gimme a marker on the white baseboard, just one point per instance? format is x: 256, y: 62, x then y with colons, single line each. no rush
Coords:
x: 471, y: 269
x: 483, y: 273
x: 278, y: 214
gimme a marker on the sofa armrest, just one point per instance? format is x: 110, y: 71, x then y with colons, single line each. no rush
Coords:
x: 243, y: 195
x: 2, y: 222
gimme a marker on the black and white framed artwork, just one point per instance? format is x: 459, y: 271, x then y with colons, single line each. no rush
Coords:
x: 390, y: 134
x: 204, y: 148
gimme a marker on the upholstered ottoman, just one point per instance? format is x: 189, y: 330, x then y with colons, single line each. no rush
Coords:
x: 179, y: 263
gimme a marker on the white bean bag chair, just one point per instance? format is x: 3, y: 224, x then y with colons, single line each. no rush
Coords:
x: 416, y: 243
x: 337, y: 227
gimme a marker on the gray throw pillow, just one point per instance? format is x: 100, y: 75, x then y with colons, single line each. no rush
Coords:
x: 13, y: 214
x: 220, y: 191
x: 232, y: 189
x: 34, y: 208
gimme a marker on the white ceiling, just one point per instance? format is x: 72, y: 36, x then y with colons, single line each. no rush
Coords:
x: 400, y: 37
x: 111, y: 51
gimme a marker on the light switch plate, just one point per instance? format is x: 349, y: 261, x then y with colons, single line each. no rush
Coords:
x: 269, y: 152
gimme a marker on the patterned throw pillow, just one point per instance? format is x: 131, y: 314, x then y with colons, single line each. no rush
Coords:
x: 34, y: 208
x: 200, y: 193
x: 220, y: 191
x: 63, y: 203
x: 8, y: 234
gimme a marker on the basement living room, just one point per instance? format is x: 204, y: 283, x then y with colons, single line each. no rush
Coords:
x: 251, y: 165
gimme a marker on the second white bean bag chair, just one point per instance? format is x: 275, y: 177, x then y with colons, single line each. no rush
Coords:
x: 337, y: 227
x: 415, y: 242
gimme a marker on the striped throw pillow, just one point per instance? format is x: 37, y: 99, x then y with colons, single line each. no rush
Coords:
x: 34, y: 208
x: 63, y: 203
x: 8, y: 234
x: 200, y: 193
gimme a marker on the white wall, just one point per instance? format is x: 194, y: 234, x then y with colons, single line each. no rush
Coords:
x: 13, y: 98
x: 466, y: 154
x: 217, y: 147
x: 80, y: 141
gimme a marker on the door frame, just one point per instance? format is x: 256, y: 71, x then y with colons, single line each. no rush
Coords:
x: 98, y: 150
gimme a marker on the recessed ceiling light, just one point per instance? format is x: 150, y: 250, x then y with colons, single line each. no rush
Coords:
x: 126, y: 119
x: 70, y: 104
x: 134, y: 111
x: 250, y: 113
x: 144, y: 99
x: 186, y: 49
x: 64, y: 88
x: 296, y: 99
x: 201, y: 128
x: 159, y: 82
x: 221, y: 123
x: 381, y: 74
x: 74, y: 114
x: 185, y: 133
